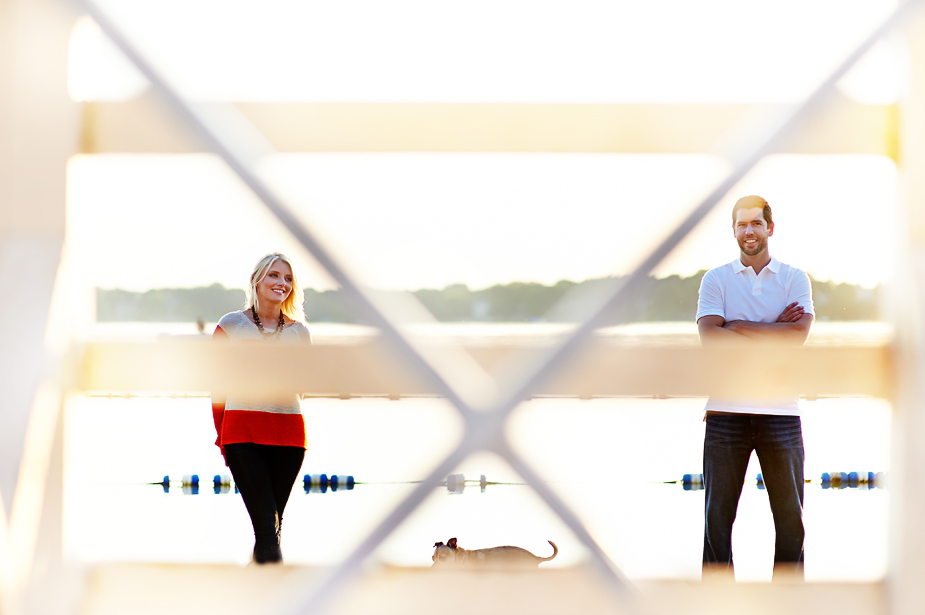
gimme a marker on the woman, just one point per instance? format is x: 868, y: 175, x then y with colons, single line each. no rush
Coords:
x: 263, y: 442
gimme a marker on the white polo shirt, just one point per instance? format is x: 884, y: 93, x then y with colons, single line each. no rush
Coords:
x: 734, y: 292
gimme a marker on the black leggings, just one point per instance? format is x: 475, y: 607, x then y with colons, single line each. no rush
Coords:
x: 265, y: 474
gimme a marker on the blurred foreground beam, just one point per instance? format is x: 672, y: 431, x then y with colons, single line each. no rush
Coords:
x: 907, y: 503
x: 604, y: 369
x: 38, y: 134
x: 142, y: 125
x: 394, y: 590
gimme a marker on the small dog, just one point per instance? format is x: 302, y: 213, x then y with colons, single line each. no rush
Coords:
x: 450, y: 553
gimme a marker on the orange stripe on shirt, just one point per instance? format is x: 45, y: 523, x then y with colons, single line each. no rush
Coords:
x: 262, y: 428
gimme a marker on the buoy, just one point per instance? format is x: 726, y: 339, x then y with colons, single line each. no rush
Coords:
x: 221, y: 484
x: 190, y: 484
x: 692, y: 482
x: 455, y: 483
x: 315, y: 483
x: 343, y: 483
x: 838, y: 480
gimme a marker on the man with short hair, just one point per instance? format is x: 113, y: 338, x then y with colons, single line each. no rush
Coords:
x: 755, y: 297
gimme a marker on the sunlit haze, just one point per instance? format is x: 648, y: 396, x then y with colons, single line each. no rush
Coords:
x: 429, y: 220
x: 413, y: 220
x: 422, y: 144
x: 584, y: 51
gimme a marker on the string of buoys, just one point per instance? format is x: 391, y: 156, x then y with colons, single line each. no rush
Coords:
x: 456, y: 484
x: 853, y: 480
x: 190, y: 484
x: 828, y: 480
x: 320, y: 483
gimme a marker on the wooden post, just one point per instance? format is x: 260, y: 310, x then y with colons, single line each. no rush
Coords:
x: 39, y: 126
x: 907, y: 534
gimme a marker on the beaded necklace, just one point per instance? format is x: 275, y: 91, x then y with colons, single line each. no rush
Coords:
x: 279, y: 327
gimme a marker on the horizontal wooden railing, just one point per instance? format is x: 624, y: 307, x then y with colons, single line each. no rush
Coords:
x: 143, y: 125
x: 604, y: 368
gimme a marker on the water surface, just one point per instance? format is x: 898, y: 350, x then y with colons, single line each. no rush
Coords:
x: 607, y: 458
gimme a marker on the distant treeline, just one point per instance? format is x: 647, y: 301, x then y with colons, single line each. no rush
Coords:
x: 663, y: 299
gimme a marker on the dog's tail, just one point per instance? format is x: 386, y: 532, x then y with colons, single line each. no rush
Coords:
x: 555, y: 552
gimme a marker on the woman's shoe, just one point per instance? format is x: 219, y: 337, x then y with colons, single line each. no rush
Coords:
x: 268, y: 554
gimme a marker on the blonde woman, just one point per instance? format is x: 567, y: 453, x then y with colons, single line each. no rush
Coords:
x: 263, y: 442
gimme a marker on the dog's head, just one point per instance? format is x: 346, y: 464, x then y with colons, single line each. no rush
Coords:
x: 445, y: 553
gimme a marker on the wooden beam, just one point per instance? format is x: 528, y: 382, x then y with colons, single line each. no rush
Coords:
x: 369, y: 368
x: 143, y: 125
x: 115, y: 588
x: 38, y: 134
x: 907, y: 503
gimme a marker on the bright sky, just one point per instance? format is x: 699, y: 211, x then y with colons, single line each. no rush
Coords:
x: 488, y: 50
x: 428, y: 220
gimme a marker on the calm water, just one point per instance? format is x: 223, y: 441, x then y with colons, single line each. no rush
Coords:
x: 606, y: 457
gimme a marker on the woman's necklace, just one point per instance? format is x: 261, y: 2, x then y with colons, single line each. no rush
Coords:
x: 279, y: 327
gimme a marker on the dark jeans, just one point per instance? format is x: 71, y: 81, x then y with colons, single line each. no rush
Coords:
x: 727, y: 446
x: 264, y: 475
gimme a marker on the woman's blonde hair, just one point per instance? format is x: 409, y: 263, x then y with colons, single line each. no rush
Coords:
x: 292, y: 307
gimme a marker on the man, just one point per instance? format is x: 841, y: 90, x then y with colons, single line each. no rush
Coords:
x: 753, y: 298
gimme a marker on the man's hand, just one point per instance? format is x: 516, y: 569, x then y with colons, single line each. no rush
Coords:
x: 788, y: 332
x: 791, y: 328
x: 713, y: 330
x: 791, y: 313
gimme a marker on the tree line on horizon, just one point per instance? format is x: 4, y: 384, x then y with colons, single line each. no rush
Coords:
x: 673, y: 298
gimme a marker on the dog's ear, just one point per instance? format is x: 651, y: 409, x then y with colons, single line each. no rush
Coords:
x: 438, y: 544
x: 451, y: 543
